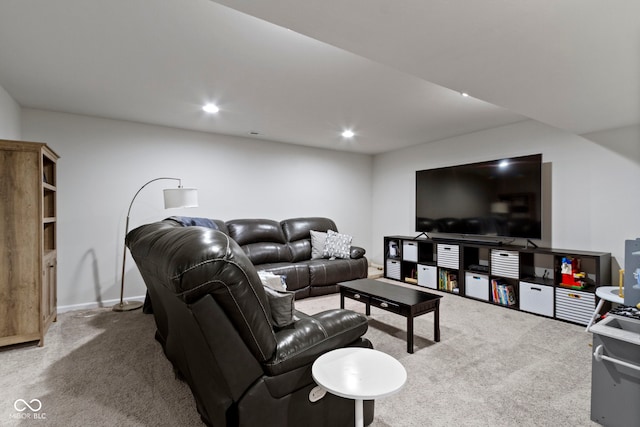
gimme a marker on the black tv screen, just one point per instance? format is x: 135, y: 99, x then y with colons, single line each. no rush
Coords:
x: 501, y: 198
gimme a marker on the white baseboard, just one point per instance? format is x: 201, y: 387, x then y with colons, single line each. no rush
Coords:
x: 96, y: 304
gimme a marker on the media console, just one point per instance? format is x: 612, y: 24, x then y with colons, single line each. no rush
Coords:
x: 526, y: 279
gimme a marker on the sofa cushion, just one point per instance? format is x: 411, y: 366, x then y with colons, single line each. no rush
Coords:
x: 311, y: 336
x: 337, y: 245
x: 266, y: 252
x: 296, y: 275
x: 300, y: 250
x: 328, y: 272
x: 298, y: 228
x: 245, y: 231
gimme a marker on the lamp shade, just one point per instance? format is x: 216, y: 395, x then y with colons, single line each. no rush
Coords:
x: 180, y: 198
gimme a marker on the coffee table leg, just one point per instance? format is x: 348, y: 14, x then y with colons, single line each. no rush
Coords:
x: 359, y: 413
x: 410, y: 333
x: 341, y: 300
x: 436, y: 324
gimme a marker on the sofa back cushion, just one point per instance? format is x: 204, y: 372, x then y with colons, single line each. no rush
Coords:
x: 297, y: 231
x: 300, y: 250
x: 267, y: 252
x: 298, y: 228
x: 261, y: 239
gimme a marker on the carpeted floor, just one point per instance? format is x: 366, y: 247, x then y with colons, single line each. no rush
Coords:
x: 493, y: 367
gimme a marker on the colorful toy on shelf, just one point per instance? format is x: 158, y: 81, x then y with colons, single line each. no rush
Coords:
x: 572, y: 277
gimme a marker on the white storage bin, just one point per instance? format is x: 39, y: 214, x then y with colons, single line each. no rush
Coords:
x: 393, y: 269
x: 476, y: 285
x: 536, y: 298
x: 505, y: 263
x: 410, y: 251
x: 428, y: 276
x: 448, y: 256
x: 575, y: 306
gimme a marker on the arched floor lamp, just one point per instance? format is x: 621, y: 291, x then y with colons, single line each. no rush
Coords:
x: 173, y: 198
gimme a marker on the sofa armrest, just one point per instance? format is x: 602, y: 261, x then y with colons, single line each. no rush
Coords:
x: 357, y: 252
x: 311, y: 336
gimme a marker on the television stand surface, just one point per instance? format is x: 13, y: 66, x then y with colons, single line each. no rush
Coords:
x: 478, y: 240
x: 483, y: 242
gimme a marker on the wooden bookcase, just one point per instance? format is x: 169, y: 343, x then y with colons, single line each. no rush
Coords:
x: 28, y: 241
x: 531, y: 277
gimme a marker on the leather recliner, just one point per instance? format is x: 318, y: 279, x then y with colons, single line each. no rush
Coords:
x: 213, y: 322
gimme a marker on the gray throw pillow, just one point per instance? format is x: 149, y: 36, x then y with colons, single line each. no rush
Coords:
x: 317, y: 244
x: 337, y: 245
x: 281, y: 303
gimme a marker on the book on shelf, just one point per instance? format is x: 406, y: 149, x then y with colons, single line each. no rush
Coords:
x: 494, y: 291
x: 511, y: 295
x: 447, y: 281
x: 502, y: 293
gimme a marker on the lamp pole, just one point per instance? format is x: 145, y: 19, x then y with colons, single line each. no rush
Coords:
x: 133, y: 305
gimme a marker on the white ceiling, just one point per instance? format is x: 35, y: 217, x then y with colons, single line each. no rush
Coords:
x: 302, y: 71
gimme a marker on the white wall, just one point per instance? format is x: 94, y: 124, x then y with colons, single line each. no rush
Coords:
x: 9, y: 116
x: 595, y: 199
x: 104, y: 162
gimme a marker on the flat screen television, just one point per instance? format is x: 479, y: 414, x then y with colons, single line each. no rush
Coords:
x: 498, y: 198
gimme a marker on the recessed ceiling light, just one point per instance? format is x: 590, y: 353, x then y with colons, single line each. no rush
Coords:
x: 211, y: 108
x: 503, y: 163
x: 465, y: 94
x: 348, y: 134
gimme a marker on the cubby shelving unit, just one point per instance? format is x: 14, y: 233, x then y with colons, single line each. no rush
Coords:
x: 530, y: 279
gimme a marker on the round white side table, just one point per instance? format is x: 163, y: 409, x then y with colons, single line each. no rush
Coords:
x: 360, y: 374
x: 605, y: 293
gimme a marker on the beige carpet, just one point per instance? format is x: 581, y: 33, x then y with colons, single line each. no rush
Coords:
x: 493, y: 367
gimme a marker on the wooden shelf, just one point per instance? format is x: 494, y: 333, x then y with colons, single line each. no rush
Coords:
x: 28, y: 252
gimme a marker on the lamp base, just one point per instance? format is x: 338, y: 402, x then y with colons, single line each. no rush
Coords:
x: 127, y: 306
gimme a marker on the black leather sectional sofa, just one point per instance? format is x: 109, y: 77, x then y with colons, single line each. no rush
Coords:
x: 284, y: 248
x: 214, y: 324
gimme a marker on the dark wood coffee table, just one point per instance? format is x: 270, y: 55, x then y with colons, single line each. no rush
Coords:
x: 397, y: 299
